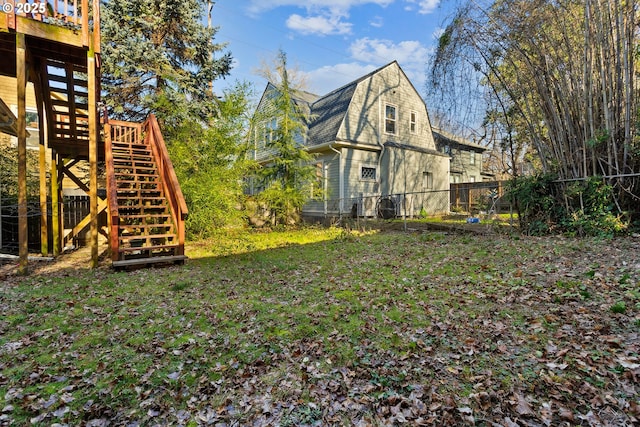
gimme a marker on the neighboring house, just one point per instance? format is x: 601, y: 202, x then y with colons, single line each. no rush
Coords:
x: 466, y: 157
x: 8, y: 140
x: 10, y: 102
x: 373, y: 141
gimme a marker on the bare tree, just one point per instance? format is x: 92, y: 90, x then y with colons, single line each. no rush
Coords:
x: 557, y: 76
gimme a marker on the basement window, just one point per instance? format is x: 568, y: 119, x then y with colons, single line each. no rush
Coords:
x: 368, y: 173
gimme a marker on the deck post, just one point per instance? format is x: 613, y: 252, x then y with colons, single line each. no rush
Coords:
x: 44, y: 223
x: 42, y: 135
x: 21, y: 77
x: 55, y: 205
x: 93, y: 154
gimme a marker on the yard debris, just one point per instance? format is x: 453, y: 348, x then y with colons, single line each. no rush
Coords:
x: 438, y: 330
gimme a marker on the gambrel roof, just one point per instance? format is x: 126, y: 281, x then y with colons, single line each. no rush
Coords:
x: 326, y: 112
x: 329, y: 112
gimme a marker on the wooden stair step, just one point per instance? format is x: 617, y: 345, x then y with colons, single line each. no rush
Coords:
x: 146, y: 237
x: 140, y: 191
x: 133, y: 162
x: 65, y: 103
x: 142, y: 216
x: 65, y: 79
x: 138, y: 175
x: 145, y: 261
x: 140, y: 168
x: 136, y: 183
x: 144, y: 157
x: 142, y: 199
x: 135, y: 172
x: 140, y: 210
x: 124, y: 145
x: 117, y: 154
x: 151, y: 186
x: 147, y: 248
x: 134, y: 226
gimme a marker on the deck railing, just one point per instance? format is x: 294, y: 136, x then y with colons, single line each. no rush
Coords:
x: 67, y: 13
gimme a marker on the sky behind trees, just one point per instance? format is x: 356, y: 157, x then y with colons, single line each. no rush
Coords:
x: 331, y: 41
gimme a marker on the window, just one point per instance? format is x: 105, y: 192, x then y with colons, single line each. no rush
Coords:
x: 33, y: 127
x: 368, y: 173
x: 32, y: 119
x: 446, y: 149
x: 427, y: 180
x: 269, y: 131
x: 472, y: 158
x: 412, y: 122
x: 390, y: 119
x: 317, y: 185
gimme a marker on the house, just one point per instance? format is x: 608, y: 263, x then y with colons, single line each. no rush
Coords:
x: 466, y: 157
x: 374, y: 147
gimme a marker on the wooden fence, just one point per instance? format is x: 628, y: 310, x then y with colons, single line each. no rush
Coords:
x: 74, y: 209
x: 474, y: 197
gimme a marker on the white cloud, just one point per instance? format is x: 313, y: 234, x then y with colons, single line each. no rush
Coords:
x: 328, y: 78
x: 258, y: 6
x: 320, y: 25
x: 424, y: 6
x: 377, y: 22
x: 382, y: 51
x: 410, y: 54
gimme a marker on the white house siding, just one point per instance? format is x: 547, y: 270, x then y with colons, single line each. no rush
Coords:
x: 331, y: 164
x: 364, y: 121
x: 355, y: 186
x: 405, y: 179
x: 461, y: 164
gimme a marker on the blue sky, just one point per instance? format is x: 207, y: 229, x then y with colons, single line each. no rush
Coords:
x: 332, y: 42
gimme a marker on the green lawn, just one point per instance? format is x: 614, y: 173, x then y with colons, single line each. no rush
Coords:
x: 333, y: 328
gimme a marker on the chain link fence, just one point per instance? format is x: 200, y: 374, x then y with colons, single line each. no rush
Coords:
x: 465, y: 199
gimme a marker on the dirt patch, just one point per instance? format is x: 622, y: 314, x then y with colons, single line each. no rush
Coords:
x: 66, y: 264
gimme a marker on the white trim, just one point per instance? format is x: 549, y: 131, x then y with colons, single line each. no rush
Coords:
x: 395, y: 119
x: 368, y: 166
x: 413, y: 115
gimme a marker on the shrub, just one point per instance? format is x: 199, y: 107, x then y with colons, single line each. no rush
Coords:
x: 584, y: 208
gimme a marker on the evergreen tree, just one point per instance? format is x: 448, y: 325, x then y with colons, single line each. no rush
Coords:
x: 158, y: 57
x: 288, y: 174
x: 210, y: 163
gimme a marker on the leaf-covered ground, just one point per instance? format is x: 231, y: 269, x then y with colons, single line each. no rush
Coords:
x: 380, y: 329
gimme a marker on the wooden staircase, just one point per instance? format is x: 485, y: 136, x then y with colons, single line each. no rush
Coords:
x: 67, y: 104
x: 146, y: 206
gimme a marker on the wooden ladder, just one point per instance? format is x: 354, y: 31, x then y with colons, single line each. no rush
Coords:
x: 146, y: 229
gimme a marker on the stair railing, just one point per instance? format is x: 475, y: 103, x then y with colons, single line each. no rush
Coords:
x: 168, y: 177
x: 112, y: 194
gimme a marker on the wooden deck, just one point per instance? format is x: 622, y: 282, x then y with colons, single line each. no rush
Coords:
x: 55, y: 44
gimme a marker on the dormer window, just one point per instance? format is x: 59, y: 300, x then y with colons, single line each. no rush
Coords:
x: 390, y: 117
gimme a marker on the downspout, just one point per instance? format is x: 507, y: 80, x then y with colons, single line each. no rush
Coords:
x: 380, y: 128
x: 341, y: 181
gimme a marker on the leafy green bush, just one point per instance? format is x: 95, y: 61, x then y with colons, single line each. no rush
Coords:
x: 583, y: 208
x: 210, y: 162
